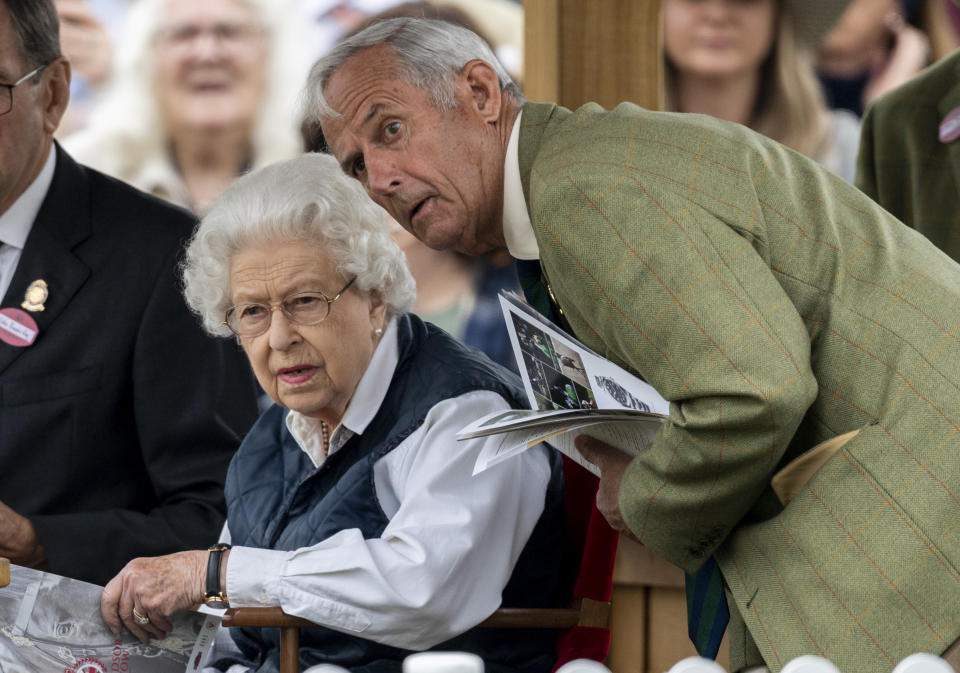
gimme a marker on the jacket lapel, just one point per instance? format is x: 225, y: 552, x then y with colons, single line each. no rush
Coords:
x: 62, y: 223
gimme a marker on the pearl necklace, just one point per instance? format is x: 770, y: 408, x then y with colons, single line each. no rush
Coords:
x: 325, y: 437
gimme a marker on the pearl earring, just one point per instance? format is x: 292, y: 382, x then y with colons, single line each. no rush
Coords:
x: 378, y: 331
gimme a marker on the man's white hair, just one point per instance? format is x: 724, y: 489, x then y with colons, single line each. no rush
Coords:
x: 305, y: 199
x: 429, y: 53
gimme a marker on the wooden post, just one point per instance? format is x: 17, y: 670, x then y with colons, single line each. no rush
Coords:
x: 606, y: 51
x: 4, y: 572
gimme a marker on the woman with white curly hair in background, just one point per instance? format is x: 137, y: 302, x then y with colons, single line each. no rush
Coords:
x: 350, y: 503
x: 203, y: 92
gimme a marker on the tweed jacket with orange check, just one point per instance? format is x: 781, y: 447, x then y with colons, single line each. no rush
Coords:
x: 775, y: 307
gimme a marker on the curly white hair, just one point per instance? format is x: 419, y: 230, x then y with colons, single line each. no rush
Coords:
x: 304, y: 199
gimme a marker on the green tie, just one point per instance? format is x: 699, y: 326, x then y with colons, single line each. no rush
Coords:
x: 531, y: 282
x: 536, y: 290
x: 707, y: 611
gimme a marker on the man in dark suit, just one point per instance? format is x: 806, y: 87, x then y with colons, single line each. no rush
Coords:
x: 117, y: 415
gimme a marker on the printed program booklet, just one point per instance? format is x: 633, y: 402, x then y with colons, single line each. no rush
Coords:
x: 571, y: 390
x: 52, y: 624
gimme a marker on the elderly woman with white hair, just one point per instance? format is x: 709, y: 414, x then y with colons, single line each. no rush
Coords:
x: 350, y: 503
x: 202, y: 93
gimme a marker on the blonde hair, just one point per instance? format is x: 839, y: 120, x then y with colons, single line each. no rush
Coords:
x: 790, y: 106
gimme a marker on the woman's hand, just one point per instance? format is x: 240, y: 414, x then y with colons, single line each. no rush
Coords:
x: 156, y: 588
x: 908, y: 55
x: 612, y: 463
x: 85, y: 40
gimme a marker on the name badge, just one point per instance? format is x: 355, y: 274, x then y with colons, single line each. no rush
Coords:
x: 950, y: 126
x: 17, y: 328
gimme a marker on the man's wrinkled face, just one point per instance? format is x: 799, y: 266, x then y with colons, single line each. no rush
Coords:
x: 26, y: 130
x: 437, y: 172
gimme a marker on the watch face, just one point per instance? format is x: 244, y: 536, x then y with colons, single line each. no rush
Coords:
x: 216, y: 602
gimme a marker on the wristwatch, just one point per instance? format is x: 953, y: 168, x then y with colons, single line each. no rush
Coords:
x: 213, y: 597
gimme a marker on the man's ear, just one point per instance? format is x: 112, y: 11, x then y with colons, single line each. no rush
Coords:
x: 478, y: 82
x: 56, y: 93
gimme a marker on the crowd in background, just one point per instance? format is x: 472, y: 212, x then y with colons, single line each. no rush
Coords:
x: 179, y: 98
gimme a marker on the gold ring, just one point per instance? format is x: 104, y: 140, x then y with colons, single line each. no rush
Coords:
x: 141, y: 619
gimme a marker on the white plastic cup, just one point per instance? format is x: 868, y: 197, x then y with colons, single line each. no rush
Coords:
x: 326, y: 668
x: 809, y: 663
x: 443, y: 662
x: 923, y: 662
x: 697, y: 665
x: 583, y: 666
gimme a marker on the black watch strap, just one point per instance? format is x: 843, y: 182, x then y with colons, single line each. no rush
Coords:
x: 213, y: 594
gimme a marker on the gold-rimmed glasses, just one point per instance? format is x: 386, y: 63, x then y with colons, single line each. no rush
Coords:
x: 300, y: 308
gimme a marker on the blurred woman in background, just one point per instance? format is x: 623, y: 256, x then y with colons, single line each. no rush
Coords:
x: 203, y: 92
x: 751, y: 62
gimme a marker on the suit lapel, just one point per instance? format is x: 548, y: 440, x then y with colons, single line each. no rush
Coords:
x: 949, y: 103
x: 62, y: 223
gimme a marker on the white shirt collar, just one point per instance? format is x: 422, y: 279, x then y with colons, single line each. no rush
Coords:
x: 17, y: 221
x: 517, y: 228
x: 363, y: 406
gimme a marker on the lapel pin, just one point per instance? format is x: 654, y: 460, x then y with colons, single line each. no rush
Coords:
x: 17, y: 328
x: 950, y: 126
x: 36, y: 295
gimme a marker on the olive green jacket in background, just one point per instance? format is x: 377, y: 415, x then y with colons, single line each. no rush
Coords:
x: 902, y: 163
x: 775, y: 307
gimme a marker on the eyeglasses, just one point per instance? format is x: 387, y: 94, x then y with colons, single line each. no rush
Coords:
x: 6, y: 99
x: 227, y: 35
x: 302, y: 308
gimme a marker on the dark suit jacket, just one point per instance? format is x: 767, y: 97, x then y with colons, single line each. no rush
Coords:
x: 118, y: 422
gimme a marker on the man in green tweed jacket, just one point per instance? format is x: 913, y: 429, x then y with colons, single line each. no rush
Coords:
x: 776, y: 307
x: 909, y: 157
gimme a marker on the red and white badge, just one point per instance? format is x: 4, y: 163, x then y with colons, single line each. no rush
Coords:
x: 950, y: 126
x: 17, y: 328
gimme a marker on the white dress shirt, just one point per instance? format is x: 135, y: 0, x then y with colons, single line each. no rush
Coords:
x: 517, y: 227
x: 17, y: 221
x: 450, y: 546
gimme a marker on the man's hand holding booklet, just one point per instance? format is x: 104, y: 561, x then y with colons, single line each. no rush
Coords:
x: 571, y: 390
